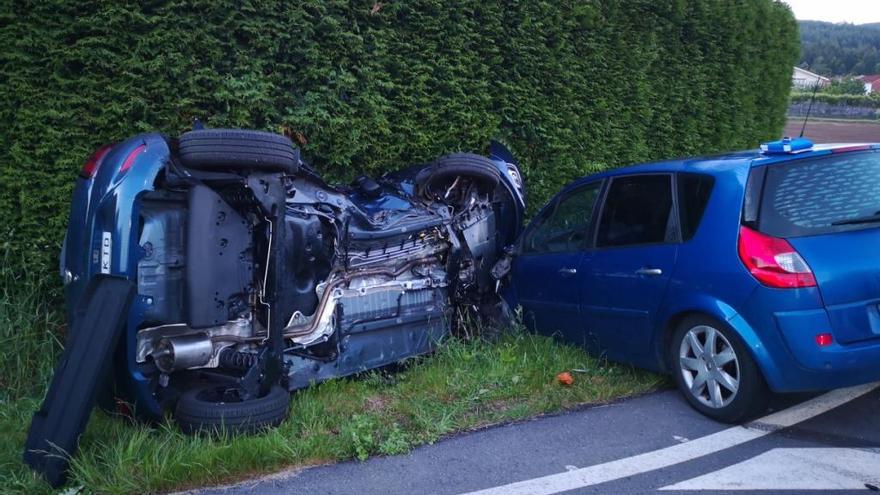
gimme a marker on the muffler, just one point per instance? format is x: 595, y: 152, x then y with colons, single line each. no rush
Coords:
x: 182, y: 352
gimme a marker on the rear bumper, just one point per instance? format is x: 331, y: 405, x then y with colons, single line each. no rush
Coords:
x: 836, y: 365
x: 102, y: 238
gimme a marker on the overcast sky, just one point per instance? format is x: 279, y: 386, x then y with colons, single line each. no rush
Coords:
x: 853, y: 11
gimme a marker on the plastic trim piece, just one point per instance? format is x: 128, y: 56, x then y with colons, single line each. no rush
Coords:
x: 84, y: 366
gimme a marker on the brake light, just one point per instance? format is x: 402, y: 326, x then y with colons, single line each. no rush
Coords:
x: 129, y: 160
x: 824, y: 339
x: 847, y: 149
x: 773, y: 261
x: 90, y: 168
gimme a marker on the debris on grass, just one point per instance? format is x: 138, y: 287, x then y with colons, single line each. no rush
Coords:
x: 565, y: 379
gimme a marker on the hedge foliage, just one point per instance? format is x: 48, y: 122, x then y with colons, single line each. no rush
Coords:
x: 368, y: 86
x: 861, y: 101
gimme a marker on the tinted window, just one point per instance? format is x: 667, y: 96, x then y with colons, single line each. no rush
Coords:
x: 814, y: 196
x: 637, y: 210
x: 564, y: 226
x: 693, y: 196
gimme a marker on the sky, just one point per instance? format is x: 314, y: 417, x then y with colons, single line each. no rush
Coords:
x: 852, y: 11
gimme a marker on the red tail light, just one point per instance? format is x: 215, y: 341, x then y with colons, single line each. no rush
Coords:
x: 847, y: 149
x: 90, y: 168
x: 129, y: 160
x: 773, y: 261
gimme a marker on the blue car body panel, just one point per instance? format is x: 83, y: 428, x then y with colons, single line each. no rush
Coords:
x: 630, y: 319
x: 106, y: 204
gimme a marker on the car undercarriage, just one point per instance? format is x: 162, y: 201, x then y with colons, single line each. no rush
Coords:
x: 252, y: 277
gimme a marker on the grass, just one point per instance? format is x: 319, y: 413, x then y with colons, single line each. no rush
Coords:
x: 467, y: 384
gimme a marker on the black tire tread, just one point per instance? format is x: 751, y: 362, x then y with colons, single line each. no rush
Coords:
x: 247, y: 417
x: 466, y: 164
x: 210, y: 149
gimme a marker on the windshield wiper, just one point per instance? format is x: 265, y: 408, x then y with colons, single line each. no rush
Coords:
x: 875, y: 218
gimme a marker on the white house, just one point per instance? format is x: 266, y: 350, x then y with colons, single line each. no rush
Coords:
x: 872, y: 83
x: 804, y: 79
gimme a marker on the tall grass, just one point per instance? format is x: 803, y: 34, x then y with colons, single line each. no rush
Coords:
x: 31, y: 325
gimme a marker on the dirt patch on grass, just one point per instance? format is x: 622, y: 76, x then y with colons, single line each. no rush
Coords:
x: 377, y: 403
x: 835, y: 131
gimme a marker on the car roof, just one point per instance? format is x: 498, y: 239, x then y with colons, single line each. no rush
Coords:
x: 716, y: 164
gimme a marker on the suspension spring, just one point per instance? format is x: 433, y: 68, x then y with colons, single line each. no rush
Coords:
x: 238, y: 360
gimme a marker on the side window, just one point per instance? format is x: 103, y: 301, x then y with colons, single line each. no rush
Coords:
x: 637, y: 210
x: 693, y: 196
x: 566, y: 225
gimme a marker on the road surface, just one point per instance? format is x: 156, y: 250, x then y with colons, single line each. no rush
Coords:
x: 650, y: 444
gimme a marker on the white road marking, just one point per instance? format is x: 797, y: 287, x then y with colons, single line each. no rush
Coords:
x: 680, y: 439
x: 794, y: 469
x: 703, y: 446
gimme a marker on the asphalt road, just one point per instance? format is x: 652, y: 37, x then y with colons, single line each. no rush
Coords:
x: 650, y: 444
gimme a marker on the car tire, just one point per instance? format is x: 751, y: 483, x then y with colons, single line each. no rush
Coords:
x: 213, y: 409
x: 724, y: 384
x: 223, y: 149
x: 447, y: 168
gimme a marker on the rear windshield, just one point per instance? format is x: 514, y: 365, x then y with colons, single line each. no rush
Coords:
x: 822, y: 195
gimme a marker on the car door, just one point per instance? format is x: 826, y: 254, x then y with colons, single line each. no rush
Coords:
x: 545, y: 270
x: 625, y: 276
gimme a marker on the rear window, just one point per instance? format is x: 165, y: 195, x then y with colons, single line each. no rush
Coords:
x: 822, y: 195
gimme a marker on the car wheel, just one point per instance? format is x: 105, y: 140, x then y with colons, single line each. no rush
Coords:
x: 715, y: 371
x: 213, y: 149
x: 219, y: 408
x: 446, y: 169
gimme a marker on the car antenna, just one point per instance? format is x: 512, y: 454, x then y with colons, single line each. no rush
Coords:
x: 810, y: 108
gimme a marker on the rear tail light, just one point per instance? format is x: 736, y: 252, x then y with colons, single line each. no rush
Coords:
x: 847, y: 149
x: 90, y: 168
x: 773, y: 261
x: 824, y: 339
x: 129, y: 160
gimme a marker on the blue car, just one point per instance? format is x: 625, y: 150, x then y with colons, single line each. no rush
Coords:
x: 739, y: 274
x: 209, y: 275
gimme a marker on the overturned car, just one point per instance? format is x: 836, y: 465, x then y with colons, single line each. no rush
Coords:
x: 210, y: 275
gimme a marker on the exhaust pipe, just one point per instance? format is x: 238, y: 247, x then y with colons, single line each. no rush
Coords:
x: 183, y: 352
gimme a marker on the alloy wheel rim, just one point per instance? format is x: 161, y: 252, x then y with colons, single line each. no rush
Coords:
x: 709, y: 366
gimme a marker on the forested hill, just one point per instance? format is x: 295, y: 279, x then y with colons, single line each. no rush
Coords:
x: 840, y: 49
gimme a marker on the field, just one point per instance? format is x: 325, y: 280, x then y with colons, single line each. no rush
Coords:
x: 835, y: 131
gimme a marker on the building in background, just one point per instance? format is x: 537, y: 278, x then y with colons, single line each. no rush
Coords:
x: 872, y: 83
x: 806, y: 80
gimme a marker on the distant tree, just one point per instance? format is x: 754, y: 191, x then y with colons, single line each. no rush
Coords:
x: 848, y: 86
x: 840, y: 49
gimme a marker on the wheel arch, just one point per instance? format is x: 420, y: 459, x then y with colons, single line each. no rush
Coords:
x: 726, y: 314
x: 695, y: 305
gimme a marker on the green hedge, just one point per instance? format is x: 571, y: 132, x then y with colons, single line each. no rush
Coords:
x: 370, y: 86
x: 860, y: 101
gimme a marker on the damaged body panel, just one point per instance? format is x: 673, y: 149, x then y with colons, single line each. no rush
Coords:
x: 251, y: 273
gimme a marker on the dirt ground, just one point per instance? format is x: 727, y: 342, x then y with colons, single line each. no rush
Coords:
x: 835, y: 131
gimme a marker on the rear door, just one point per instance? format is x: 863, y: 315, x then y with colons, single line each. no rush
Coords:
x: 828, y: 208
x: 624, y: 279
x: 545, y: 271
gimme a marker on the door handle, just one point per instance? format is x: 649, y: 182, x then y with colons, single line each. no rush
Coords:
x: 653, y: 272
x: 567, y: 272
